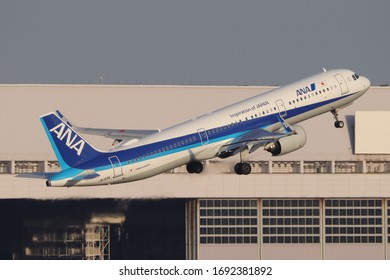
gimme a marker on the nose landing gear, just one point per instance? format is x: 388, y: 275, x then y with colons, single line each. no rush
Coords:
x: 337, y: 123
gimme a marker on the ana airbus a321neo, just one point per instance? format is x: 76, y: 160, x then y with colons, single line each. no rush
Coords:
x: 267, y: 120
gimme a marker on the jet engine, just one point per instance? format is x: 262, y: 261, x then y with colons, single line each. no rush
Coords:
x: 288, y: 144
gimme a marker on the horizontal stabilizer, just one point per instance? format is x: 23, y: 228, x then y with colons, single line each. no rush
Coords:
x: 37, y: 175
x: 85, y: 177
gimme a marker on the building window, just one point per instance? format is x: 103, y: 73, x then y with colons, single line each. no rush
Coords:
x: 388, y: 221
x: 291, y: 221
x: 29, y: 166
x: 286, y: 167
x: 5, y: 167
x: 348, y: 167
x: 317, y: 167
x: 228, y: 221
x: 378, y: 166
x: 53, y: 166
x: 353, y: 221
x: 259, y: 166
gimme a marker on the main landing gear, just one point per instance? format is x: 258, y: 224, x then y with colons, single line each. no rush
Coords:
x: 242, y: 168
x: 337, y: 123
x: 195, y: 167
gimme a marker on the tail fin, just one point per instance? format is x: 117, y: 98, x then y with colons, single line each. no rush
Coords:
x: 70, y: 148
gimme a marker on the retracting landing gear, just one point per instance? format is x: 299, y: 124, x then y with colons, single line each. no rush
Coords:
x: 337, y: 123
x: 195, y: 167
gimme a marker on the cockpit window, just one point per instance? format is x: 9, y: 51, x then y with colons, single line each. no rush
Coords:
x: 355, y: 76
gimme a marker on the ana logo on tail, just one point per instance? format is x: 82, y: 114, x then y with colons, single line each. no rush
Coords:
x: 70, y: 141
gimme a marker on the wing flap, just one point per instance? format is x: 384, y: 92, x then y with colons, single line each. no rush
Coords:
x: 254, y: 139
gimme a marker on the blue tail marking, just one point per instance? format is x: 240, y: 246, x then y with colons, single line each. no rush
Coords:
x: 70, y: 148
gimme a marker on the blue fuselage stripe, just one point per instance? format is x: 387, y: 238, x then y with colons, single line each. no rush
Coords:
x: 186, y: 142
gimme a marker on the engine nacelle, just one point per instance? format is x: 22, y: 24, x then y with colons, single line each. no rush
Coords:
x: 288, y: 144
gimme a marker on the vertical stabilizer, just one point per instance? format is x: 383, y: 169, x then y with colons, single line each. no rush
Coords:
x: 70, y: 148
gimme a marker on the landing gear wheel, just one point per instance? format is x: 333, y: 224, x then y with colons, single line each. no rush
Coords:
x: 237, y: 168
x: 242, y: 168
x: 194, y: 167
x: 339, y: 124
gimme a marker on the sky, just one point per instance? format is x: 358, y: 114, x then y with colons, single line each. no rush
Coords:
x: 202, y: 42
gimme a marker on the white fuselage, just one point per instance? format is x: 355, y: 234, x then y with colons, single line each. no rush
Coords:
x: 294, y: 103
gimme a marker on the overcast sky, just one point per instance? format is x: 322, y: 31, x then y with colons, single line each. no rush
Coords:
x: 217, y: 42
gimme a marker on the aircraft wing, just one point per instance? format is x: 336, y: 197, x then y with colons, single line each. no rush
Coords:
x: 117, y: 134
x: 253, y: 140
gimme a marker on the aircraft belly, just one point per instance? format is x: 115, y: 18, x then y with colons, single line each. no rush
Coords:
x: 156, y: 166
x: 207, y: 151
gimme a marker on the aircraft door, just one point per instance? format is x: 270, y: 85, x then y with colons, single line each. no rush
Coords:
x: 281, y: 108
x: 204, y: 138
x: 116, y: 166
x: 342, y: 83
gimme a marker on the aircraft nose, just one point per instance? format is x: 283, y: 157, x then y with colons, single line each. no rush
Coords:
x: 366, y: 82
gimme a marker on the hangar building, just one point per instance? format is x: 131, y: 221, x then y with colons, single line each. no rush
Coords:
x: 328, y: 200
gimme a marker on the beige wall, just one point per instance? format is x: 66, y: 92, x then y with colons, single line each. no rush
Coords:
x: 291, y: 252
x: 229, y: 252
x: 151, y: 107
x: 354, y: 251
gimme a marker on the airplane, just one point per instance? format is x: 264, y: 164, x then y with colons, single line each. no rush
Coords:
x: 268, y: 120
